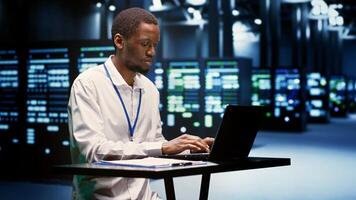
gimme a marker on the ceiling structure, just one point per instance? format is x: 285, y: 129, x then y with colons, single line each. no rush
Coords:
x: 247, y: 11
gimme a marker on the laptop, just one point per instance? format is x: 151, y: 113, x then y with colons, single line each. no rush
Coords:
x: 235, y: 136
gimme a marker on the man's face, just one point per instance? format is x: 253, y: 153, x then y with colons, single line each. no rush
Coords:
x: 140, y: 48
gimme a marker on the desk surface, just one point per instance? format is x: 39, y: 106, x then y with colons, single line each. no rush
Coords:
x: 154, y: 173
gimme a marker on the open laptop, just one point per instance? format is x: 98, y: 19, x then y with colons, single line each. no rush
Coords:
x: 235, y: 136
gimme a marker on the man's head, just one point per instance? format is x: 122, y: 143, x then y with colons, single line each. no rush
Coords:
x: 135, y: 33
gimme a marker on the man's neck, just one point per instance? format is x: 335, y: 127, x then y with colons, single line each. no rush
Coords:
x: 126, y: 73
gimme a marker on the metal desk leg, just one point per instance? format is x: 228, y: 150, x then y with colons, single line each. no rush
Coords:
x: 204, y: 188
x: 168, y: 183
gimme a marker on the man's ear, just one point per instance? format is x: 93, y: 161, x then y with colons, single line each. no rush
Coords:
x: 119, y: 41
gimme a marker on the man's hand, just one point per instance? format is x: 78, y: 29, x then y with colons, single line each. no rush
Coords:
x: 187, y: 142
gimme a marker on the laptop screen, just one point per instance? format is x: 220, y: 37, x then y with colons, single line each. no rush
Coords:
x: 237, y: 132
x: 235, y: 136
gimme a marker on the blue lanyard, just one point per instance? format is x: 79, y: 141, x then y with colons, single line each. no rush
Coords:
x: 131, y: 128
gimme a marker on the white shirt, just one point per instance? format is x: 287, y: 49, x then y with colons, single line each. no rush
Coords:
x: 99, y: 130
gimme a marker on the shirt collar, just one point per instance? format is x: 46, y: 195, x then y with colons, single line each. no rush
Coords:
x: 118, y: 80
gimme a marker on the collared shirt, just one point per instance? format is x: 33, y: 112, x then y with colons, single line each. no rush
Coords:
x: 99, y: 130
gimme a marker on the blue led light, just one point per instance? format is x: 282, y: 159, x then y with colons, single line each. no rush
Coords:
x: 4, y: 127
x: 52, y: 128
x: 30, y: 136
x: 65, y: 143
x: 170, y: 120
x: 47, y: 151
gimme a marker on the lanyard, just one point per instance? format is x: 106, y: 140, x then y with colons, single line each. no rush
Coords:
x: 131, y: 128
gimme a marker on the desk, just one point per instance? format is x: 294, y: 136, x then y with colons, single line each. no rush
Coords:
x: 168, y: 173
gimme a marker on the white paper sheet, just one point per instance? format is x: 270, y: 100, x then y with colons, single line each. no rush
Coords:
x: 151, y: 162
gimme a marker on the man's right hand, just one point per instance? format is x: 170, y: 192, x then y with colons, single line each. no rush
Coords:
x: 187, y: 142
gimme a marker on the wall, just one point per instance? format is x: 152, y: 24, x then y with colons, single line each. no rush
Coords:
x: 8, y: 21
x: 179, y: 41
x: 48, y: 20
x: 63, y: 20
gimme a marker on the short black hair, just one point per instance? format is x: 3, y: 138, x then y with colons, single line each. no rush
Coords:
x: 127, y: 21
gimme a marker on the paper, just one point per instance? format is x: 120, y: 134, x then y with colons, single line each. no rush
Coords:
x: 151, y: 162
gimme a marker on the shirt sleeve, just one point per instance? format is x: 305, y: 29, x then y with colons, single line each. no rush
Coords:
x: 86, y: 125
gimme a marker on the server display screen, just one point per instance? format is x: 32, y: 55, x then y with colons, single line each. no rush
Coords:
x: 157, y: 76
x: 261, y: 87
x: 221, y: 89
x: 351, y: 94
x: 317, y: 95
x: 337, y: 94
x: 287, y: 95
x: 93, y: 56
x: 47, y: 89
x: 183, y: 95
x: 9, y: 86
x: 10, y: 136
x: 158, y: 81
x: 354, y: 98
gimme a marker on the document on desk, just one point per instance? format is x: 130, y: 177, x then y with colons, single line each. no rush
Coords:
x: 151, y: 162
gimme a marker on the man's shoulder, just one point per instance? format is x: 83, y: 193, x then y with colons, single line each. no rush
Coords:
x: 91, y: 74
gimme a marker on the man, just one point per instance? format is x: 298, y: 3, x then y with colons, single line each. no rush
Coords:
x: 113, y: 111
